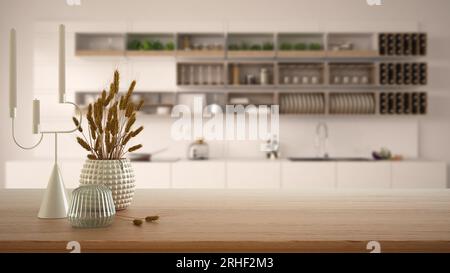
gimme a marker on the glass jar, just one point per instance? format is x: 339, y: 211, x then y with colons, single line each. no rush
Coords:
x: 92, y: 206
x: 264, y: 76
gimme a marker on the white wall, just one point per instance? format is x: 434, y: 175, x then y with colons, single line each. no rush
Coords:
x: 425, y: 137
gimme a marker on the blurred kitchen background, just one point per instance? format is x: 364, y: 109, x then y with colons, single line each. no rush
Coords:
x: 116, y: 24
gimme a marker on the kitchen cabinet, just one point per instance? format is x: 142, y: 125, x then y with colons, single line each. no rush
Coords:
x: 253, y: 174
x: 363, y: 175
x: 308, y: 175
x: 35, y: 174
x: 198, y: 174
x: 419, y: 175
x: 154, y: 175
x: 249, y: 174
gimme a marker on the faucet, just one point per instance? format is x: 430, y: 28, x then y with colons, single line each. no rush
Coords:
x: 322, y: 140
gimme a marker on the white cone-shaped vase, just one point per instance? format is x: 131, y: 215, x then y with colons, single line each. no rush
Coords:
x: 55, y: 204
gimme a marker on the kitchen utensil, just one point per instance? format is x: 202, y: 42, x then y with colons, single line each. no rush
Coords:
x: 198, y: 150
x: 337, y: 80
x: 139, y: 157
x: 264, y: 76
x: 305, y: 80
x: 346, y: 80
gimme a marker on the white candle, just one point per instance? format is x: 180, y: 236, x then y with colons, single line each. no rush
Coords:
x: 62, y: 64
x: 12, y: 74
x: 36, y: 116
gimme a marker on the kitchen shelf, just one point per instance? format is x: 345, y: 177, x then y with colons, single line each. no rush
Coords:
x: 201, y: 45
x: 99, y: 44
x: 251, y: 74
x: 292, y: 54
x: 356, y: 74
x: 301, y: 74
x: 241, y: 54
x: 208, y: 53
x: 351, y: 45
x: 298, y: 45
x: 150, y: 53
x: 250, y: 45
x: 302, y: 103
x: 98, y: 53
x: 330, y: 65
x: 200, y: 74
x: 352, y: 54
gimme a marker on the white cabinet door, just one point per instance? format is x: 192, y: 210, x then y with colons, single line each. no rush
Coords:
x: 363, y: 175
x: 253, y: 175
x: 152, y: 175
x: 419, y: 175
x: 204, y: 174
x: 308, y: 175
x: 34, y: 174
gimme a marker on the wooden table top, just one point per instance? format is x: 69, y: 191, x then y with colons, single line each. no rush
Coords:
x: 242, y: 221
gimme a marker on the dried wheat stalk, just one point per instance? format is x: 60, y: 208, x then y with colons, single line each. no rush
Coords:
x: 111, y: 119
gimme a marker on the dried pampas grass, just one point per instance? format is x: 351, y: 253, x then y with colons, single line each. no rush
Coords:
x: 111, y: 119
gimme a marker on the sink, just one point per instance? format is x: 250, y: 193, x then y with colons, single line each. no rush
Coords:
x: 329, y: 159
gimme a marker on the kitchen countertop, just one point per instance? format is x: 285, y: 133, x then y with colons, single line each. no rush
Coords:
x: 243, y: 221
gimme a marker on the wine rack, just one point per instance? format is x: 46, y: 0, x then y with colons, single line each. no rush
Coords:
x: 403, y: 44
x: 403, y: 73
x: 403, y: 103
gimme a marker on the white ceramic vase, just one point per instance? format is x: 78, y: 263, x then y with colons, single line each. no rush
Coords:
x: 117, y: 175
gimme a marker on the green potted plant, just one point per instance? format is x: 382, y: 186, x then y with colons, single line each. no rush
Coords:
x: 256, y: 47
x: 146, y: 45
x: 244, y: 46
x: 315, y: 46
x: 157, y: 45
x: 267, y: 46
x: 286, y: 46
x: 134, y: 45
x: 233, y: 47
x: 111, y: 130
x: 300, y: 46
x: 170, y: 46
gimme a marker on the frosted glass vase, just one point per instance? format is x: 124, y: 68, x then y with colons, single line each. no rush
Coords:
x: 117, y: 175
x: 92, y: 206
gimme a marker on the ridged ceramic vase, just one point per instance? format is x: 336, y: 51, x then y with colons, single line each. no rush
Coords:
x: 117, y: 175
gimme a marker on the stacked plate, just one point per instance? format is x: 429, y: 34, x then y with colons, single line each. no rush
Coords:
x: 307, y: 103
x: 352, y: 103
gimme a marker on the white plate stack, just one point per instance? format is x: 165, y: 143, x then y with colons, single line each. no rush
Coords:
x: 352, y: 103
x: 304, y: 103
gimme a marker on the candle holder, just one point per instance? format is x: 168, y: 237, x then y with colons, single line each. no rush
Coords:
x: 55, y: 202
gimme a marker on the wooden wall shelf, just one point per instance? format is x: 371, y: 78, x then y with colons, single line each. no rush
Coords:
x: 201, y: 53
x: 352, y: 54
x: 251, y: 54
x: 99, y: 53
x: 205, y: 63
x: 301, y: 54
x: 150, y: 53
